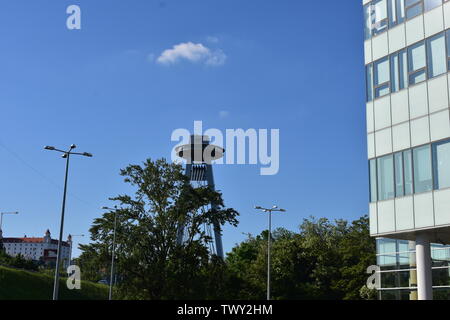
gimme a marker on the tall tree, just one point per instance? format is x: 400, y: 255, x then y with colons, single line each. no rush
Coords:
x: 324, y: 260
x: 150, y: 262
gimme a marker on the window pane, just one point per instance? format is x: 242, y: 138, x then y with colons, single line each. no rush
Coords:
x: 399, y: 71
x: 385, y: 245
x: 386, y: 178
x: 403, y: 64
x: 407, y: 164
x: 441, y: 157
x: 369, y: 83
x: 448, y: 48
x: 381, y: 77
x: 395, y: 85
x: 373, y: 180
x: 380, y: 16
x: 399, y: 175
x: 413, y: 8
x: 367, y: 22
x: 423, y: 180
x: 396, y: 12
x: 431, y: 4
x: 437, y: 61
x: 417, y: 63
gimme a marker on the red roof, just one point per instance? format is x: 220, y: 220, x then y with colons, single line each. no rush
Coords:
x: 31, y: 240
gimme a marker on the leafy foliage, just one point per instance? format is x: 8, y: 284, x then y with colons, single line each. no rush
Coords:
x: 323, y: 261
x: 150, y: 261
x: 18, y: 262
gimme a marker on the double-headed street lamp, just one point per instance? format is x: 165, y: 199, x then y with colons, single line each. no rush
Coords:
x: 66, y: 155
x: 273, y: 209
x: 1, y: 217
x: 73, y: 236
x: 111, y: 280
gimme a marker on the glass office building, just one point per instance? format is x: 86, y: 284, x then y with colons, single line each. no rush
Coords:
x: 407, y: 59
x: 398, y: 273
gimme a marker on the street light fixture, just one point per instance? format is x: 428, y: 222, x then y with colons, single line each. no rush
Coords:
x: 66, y: 155
x: 1, y: 217
x: 73, y: 236
x: 111, y: 280
x: 273, y: 209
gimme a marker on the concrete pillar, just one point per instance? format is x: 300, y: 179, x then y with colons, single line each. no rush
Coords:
x: 424, y: 274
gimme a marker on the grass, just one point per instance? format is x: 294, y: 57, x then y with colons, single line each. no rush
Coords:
x: 25, y: 285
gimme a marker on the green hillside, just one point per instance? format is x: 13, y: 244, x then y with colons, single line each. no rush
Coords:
x: 25, y: 285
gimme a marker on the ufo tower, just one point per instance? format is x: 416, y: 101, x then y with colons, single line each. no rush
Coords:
x: 199, y: 155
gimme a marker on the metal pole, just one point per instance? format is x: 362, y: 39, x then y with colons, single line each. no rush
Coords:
x: 61, y: 230
x: 111, y: 281
x: 268, y: 254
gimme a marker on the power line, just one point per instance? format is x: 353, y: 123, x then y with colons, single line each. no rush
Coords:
x: 40, y: 174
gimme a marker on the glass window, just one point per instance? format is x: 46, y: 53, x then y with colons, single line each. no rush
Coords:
x: 385, y: 245
x: 417, y: 65
x: 448, y: 48
x: 399, y: 71
x: 441, y: 165
x: 408, y: 170
x: 396, y: 9
x: 379, y: 16
x: 385, y: 168
x: 369, y: 83
x: 381, y: 79
x: 423, y: 180
x: 437, y: 62
x: 398, y: 160
x: 431, y: 4
x: 413, y: 8
x: 373, y: 180
x: 367, y: 22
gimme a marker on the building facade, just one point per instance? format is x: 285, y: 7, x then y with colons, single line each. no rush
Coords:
x: 407, y: 59
x: 398, y: 272
x: 38, y: 249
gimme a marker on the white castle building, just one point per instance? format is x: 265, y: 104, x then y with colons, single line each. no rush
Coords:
x: 44, y: 249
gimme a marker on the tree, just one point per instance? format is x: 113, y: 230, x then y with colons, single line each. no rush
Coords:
x: 324, y: 260
x: 150, y: 261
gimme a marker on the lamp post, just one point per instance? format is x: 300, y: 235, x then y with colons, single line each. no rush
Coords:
x: 71, y: 242
x: 273, y: 209
x: 111, y: 280
x: 1, y: 217
x: 66, y: 155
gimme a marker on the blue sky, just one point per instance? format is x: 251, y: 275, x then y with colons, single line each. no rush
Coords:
x: 291, y: 65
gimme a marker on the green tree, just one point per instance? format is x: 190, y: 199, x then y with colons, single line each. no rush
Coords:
x: 324, y: 260
x: 150, y: 262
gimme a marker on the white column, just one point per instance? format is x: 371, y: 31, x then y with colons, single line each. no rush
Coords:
x: 424, y: 275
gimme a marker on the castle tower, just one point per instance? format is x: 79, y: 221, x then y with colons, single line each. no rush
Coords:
x: 199, y: 155
x: 47, y: 237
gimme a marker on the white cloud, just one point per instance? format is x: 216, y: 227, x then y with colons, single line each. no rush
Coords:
x: 196, y: 53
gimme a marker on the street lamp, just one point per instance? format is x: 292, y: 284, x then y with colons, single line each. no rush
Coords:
x: 1, y: 217
x: 111, y: 280
x: 273, y: 209
x: 66, y: 155
x: 71, y: 242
